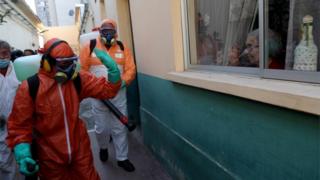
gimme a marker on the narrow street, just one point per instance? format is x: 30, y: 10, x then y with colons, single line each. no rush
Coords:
x: 147, y: 166
x: 217, y: 89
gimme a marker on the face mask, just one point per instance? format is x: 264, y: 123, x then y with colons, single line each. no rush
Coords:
x: 108, y: 36
x: 4, y: 63
x: 66, y: 70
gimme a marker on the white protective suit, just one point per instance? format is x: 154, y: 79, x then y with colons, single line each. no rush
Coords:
x: 8, y: 87
x: 106, y: 122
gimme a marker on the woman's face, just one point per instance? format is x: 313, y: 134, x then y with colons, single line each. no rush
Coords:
x: 252, y: 46
x: 5, y: 53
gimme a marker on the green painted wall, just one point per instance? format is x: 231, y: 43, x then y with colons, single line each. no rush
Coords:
x: 200, y: 134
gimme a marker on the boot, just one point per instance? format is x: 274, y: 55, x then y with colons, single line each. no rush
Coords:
x: 104, y: 155
x: 126, y: 165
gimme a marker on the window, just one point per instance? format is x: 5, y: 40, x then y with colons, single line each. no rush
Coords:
x: 267, y: 38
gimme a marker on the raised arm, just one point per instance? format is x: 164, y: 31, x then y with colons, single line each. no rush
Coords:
x: 99, y: 87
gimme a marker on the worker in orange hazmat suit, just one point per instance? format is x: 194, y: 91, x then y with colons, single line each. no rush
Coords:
x: 105, y: 121
x: 51, y: 118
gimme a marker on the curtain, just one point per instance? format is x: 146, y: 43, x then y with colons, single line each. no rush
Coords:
x: 226, y: 23
x: 241, y: 18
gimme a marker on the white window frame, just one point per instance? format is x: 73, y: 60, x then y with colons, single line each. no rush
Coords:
x: 301, y: 76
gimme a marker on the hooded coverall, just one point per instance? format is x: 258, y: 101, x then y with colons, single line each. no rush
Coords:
x: 8, y: 86
x: 105, y: 121
x: 62, y: 142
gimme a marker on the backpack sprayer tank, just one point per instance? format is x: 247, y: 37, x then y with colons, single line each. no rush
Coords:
x: 27, y: 66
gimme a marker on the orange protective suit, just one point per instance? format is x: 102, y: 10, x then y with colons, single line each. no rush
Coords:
x: 124, y: 59
x: 106, y: 123
x: 63, y: 146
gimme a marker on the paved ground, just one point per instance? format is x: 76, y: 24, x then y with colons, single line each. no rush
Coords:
x: 147, y: 167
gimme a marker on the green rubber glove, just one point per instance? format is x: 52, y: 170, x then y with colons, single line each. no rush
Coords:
x: 22, y: 153
x: 113, y: 71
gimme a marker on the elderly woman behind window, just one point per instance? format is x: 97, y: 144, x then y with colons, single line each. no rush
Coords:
x: 249, y: 57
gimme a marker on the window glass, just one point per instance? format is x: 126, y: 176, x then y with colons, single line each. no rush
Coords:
x: 224, y: 32
x: 294, y: 35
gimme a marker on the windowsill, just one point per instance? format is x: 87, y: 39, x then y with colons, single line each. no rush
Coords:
x: 293, y: 95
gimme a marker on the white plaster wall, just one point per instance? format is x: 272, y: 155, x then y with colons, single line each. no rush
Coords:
x: 152, y: 34
x: 66, y: 33
x: 111, y: 9
x: 18, y: 35
x: 62, y: 8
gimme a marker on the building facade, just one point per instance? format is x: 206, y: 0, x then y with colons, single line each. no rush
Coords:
x: 42, y: 9
x: 97, y: 10
x: 19, y: 26
x: 56, y: 12
x: 63, y: 19
x: 209, y: 113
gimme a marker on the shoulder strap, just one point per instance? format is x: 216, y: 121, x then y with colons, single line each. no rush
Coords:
x: 77, y: 84
x: 121, y: 45
x: 93, y: 43
x: 33, y: 83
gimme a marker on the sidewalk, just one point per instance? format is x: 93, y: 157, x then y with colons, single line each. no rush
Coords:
x: 147, y: 167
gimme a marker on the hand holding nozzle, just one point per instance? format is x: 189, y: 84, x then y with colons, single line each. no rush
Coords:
x: 31, y: 167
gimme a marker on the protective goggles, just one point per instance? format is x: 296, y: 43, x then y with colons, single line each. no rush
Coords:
x: 105, y: 32
x: 66, y: 62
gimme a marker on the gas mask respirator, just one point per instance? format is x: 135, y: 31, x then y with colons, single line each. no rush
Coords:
x: 108, y: 36
x: 67, y: 69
